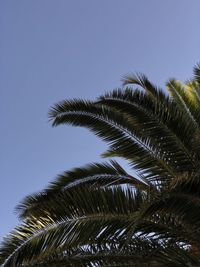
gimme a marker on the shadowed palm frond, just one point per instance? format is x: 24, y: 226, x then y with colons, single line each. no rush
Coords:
x: 119, y: 130
x: 94, y: 176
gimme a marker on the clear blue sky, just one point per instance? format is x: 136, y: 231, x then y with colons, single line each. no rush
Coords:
x: 56, y: 49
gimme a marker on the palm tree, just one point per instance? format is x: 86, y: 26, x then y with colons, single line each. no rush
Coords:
x: 100, y: 215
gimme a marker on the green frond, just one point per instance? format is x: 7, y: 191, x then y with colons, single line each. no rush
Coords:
x: 149, y: 254
x: 116, y: 128
x: 151, y: 124
x: 92, y: 176
x: 90, y: 216
x: 186, y: 99
x: 142, y: 81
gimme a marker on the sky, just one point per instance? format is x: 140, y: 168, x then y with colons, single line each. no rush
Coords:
x: 52, y: 50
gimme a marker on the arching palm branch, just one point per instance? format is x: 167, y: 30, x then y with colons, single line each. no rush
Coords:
x: 100, y: 215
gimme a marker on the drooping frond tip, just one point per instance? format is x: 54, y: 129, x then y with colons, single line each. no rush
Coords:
x: 141, y: 80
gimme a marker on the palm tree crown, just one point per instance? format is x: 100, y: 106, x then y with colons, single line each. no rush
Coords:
x: 100, y: 215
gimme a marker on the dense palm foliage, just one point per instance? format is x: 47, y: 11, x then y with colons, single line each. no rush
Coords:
x: 100, y: 215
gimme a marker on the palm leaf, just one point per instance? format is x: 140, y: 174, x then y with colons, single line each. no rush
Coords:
x: 116, y: 128
x: 93, y: 175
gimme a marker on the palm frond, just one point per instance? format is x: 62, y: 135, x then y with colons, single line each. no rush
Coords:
x: 93, y: 175
x: 117, y: 129
x: 97, y: 215
x: 197, y: 73
x: 143, y: 82
x: 185, y: 100
x: 151, y: 124
x: 138, y: 253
